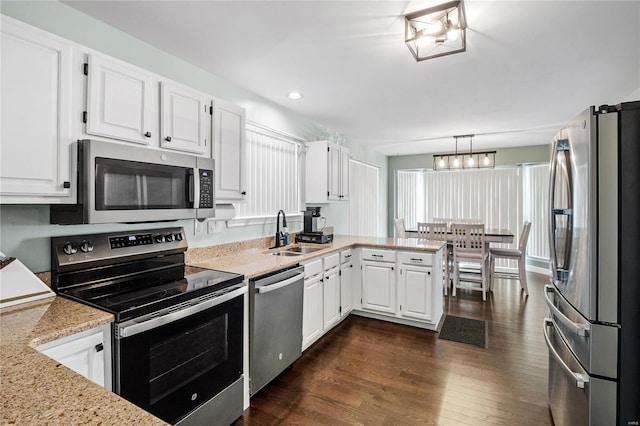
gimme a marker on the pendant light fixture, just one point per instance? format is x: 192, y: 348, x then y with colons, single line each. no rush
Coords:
x: 472, y: 160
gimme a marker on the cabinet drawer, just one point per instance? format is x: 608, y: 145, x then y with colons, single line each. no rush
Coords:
x: 378, y: 255
x: 345, y: 256
x: 312, y: 268
x: 331, y: 261
x: 416, y: 258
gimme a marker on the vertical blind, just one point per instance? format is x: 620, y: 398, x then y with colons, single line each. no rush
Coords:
x: 363, y: 199
x: 536, y: 187
x: 273, y: 173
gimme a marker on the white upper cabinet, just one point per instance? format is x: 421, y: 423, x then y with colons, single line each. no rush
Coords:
x: 326, y: 172
x: 185, y: 119
x: 229, y: 152
x: 122, y: 101
x: 36, y: 87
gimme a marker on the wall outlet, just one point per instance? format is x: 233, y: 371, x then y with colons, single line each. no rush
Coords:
x: 198, y: 227
x: 211, y: 226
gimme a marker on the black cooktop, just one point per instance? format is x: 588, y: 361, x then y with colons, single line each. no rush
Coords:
x: 148, y: 292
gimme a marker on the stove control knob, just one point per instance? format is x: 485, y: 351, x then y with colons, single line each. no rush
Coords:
x: 178, y: 237
x: 69, y: 249
x: 168, y: 238
x: 86, y: 246
x: 159, y: 238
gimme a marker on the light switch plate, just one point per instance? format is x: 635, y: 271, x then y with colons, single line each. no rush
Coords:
x: 199, y: 227
x: 211, y: 226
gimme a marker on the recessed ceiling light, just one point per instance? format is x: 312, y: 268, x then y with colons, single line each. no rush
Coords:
x: 295, y: 96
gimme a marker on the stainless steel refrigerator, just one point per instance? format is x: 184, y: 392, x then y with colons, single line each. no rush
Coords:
x: 593, y: 329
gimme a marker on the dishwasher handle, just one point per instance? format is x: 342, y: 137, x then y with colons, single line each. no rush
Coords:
x: 272, y: 287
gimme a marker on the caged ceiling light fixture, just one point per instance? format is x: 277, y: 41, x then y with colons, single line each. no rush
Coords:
x: 471, y: 160
x: 436, y: 31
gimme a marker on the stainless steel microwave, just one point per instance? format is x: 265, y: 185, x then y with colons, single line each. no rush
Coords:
x: 120, y: 183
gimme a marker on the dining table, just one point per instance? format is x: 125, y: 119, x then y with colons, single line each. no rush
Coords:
x: 491, y: 235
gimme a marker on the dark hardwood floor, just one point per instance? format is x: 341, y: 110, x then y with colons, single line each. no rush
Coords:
x: 373, y: 372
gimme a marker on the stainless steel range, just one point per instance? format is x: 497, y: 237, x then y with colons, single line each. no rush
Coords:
x: 178, y: 330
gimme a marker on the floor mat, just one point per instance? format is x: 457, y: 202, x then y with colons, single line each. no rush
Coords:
x: 464, y: 330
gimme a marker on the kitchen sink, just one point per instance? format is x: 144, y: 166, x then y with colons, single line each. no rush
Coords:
x: 285, y: 253
x: 304, y: 249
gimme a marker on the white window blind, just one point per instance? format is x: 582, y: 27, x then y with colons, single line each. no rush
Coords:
x: 410, y: 203
x: 493, y: 196
x: 363, y: 199
x: 536, y: 202
x: 273, y: 173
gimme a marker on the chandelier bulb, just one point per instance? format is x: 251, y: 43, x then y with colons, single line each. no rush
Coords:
x: 486, y: 160
x: 441, y: 162
x: 471, y: 161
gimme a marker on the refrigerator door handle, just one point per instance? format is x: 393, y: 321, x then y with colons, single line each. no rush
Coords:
x: 581, y: 379
x: 579, y: 329
x: 551, y: 222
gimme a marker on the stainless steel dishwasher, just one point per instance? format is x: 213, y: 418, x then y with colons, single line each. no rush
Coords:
x: 275, y: 322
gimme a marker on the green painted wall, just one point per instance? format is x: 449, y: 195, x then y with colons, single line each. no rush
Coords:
x: 25, y: 229
x: 504, y: 157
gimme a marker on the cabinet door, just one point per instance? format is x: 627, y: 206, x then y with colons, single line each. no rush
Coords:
x: 183, y: 117
x: 333, y: 172
x: 230, y: 152
x: 346, y: 289
x: 331, y: 298
x: 312, y: 311
x: 344, y: 174
x: 84, y: 355
x: 36, y: 110
x: 378, y: 287
x: 417, y: 288
x: 121, y: 101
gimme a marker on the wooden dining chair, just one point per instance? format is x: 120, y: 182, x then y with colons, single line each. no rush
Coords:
x: 400, y: 229
x: 469, y: 246
x: 437, y: 232
x: 519, y: 254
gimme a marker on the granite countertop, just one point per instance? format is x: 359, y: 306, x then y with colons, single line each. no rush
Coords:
x: 37, y: 390
x: 256, y: 261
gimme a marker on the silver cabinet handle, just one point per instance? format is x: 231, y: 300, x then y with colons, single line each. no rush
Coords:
x: 579, y: 329
x: 276, y: 286
x: 581, y: 379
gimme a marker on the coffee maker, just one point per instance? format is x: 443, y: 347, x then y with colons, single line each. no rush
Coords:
x: 312, y: 232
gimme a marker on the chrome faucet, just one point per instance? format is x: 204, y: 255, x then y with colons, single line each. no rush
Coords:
x: 278, y: 242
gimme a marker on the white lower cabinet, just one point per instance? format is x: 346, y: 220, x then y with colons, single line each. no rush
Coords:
x: 417, y: 297
x: 346, y: 282
x: 416, y: 287
x: 331, y: 291
x: 379, y: 280
x: 87, y: 353
x: 312, y: 303
x: 327, y: 297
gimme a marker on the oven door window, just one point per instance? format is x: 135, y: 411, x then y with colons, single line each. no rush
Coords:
x: 131, y: 185
x: 172, y: 369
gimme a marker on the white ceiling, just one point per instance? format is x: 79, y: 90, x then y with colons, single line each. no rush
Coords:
x: 530, y: 66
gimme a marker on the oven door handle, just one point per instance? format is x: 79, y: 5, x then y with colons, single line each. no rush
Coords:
x: 276, y: 286
x: 131, y: 328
